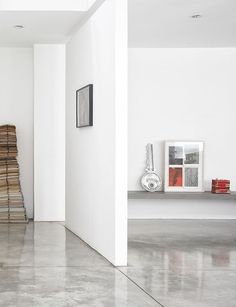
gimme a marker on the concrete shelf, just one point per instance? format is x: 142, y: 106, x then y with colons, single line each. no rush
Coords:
x: 180, y: 195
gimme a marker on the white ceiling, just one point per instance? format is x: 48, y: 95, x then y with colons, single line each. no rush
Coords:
x: 45, y: 5
x: 167, y: 23
x: 44, y: 21
x: 39, y: 27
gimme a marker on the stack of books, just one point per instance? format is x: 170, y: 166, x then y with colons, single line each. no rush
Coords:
x: 11, y: 198
x: 220, y: 186
x: 8, y: 142
x: 4, y: 214
x: 17, y: 214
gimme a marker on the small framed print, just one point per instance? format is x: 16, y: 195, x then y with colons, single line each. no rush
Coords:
x: 84, y: 106
x: 184, y: 166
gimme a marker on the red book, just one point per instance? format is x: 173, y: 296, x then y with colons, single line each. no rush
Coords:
x: 220, y: 181
x: 221, y: 185
x: 221, y: 191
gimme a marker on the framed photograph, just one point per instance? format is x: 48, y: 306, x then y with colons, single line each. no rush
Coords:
x: 184, y: 166
x: 84, y: 106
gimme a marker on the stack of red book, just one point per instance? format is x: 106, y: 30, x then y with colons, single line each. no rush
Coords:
x: 220, y: 186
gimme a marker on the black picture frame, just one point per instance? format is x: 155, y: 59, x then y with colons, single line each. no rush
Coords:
x: 84, y: 99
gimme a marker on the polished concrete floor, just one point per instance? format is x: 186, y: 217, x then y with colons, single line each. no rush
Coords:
x: 43, y: 264
x: 184, y: 263
x: 171, y: 264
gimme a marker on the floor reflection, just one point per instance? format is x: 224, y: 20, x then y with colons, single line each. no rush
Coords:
x: 12, y: 242
x: 44, y: 244
x: 184, y: 263
x: 43, y: 264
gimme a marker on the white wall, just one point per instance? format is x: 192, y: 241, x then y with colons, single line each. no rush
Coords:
x: 49, y: 132
x: 96, y: 201
x: 182, y: 94
x: 16, y: 107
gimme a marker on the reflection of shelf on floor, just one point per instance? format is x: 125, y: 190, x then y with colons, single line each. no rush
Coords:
x: 180, y: 195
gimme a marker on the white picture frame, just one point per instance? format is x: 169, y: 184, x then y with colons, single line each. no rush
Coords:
x: 184, y: 166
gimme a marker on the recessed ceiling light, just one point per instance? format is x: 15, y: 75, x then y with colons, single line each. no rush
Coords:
x: 19, y: 26
x: 196, y: 16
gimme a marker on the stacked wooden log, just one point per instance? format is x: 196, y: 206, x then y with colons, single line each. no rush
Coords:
x: 11, y: 198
